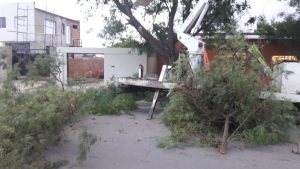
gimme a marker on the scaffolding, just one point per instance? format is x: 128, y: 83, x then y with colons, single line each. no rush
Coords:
x: 22, y: 24
x: 49, y: 30
x: 32, y: 37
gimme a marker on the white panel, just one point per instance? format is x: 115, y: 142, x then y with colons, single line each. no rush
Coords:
x: 291, y: 80
x: 10, y: 11
x: 289, y: 77
x: 123, y: 65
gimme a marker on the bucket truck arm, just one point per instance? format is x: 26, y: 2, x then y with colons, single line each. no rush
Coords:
x: 190, y: 26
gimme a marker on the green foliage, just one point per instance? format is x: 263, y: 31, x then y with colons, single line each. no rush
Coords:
x: 86, y: 141
x: 41, y: 66
x: 107, y: 102
x: 184, y: 123
x: 160, y: 34
x: 260, y: 135
x: 45, y: 66
x: 125, y: 102
x: 230, y: 88
x: 131, y: 43
x: 285, y: 28
x: 31, y: 121
x: 113, y: 26
x: 3, y: 57
x: 280, y: 29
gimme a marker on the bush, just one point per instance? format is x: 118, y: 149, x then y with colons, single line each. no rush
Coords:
x: 125, y: 102
x: 227, y: 97
x: 41, y: 66
x: 31, y: 121
x: 107, y: 102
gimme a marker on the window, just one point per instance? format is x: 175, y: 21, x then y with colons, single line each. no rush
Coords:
x: 68, y: 35
x: 50, y: 27
x: 75, y: 27
x: 2, y: 22
x: 63, y: 28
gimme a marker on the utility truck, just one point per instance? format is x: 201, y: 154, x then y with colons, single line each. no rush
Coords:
x: 286, y: 75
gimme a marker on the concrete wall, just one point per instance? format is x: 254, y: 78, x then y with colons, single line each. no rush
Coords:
x: 32, y: 26
x: 118, y: 62
x: 6, y: 61
x: 59, y: 39
x: 9, y: 10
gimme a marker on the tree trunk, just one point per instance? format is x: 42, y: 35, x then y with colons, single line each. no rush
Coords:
x: 224, y: 142
x: 167, y: 50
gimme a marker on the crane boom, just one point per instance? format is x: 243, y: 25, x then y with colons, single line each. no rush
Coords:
x: 190, y: 26
x: 193, y: 21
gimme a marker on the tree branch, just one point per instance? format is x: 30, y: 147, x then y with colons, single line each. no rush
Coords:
x: 156, y: 44
x: 120, y: 6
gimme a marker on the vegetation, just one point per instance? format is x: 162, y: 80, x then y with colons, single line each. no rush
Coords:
x: 123, y: 20
x: 86, y: 141
x: 107, y: 102
x: 225, y: 99
x: 45, y: 66
x: 30, y: 121
x: 285, y: 28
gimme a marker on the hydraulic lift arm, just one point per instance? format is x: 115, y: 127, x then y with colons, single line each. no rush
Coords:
x: 190, y: 26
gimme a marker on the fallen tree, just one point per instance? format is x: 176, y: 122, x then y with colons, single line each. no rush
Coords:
x: 224, y: 100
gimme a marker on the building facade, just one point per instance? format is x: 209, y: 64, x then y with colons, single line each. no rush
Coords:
x: 31, y: 30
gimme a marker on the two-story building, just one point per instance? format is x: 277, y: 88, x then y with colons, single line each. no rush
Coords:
x: 31, y: 30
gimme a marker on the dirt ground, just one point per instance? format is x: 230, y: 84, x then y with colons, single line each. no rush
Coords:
x: 129, y: 142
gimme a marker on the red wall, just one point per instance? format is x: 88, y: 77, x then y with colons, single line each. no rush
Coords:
x: 91, y: 68
x: 269, y: 49
x: 75, y: 33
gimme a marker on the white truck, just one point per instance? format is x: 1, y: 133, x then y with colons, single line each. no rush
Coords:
x: 286, y: 82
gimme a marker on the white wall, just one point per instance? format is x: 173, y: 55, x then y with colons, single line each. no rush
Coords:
x: 125, y: 63
x: 10, y: 11
x: 118, y: 62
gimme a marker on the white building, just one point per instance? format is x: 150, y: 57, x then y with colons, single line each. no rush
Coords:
x: 31, y: 30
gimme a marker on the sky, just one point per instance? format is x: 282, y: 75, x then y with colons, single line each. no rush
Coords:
x: 90, y: 28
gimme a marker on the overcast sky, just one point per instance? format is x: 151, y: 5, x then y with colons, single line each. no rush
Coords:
x: 90, y: 28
